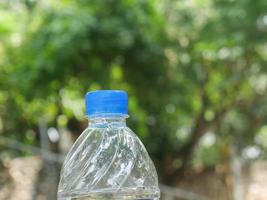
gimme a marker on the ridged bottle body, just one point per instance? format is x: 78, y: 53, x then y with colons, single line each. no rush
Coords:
x: 108, y: 161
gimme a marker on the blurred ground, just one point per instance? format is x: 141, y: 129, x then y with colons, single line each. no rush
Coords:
x: 255, y: 179
x: 20, y: 178
x: 209, y: 184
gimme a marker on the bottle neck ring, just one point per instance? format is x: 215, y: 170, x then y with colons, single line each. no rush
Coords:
x: 107, y: 122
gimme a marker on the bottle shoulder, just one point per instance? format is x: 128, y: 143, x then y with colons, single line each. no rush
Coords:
x: 107, y: 158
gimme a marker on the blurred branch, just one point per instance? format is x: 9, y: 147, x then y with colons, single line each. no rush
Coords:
x: 35, y: 150
x: 200, y: 126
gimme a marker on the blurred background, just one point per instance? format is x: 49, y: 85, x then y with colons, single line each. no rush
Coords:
x: 195, y: 72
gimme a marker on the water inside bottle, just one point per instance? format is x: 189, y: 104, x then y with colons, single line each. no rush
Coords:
x: 109, y: 197
x: 89, y: 198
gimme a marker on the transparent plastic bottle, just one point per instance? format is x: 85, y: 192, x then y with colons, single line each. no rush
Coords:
x: 108, y: 161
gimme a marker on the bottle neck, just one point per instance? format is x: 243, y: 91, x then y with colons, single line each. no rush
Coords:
x: 107, y: 122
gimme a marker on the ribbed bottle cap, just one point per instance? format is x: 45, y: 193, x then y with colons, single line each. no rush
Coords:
x: 106, y: 103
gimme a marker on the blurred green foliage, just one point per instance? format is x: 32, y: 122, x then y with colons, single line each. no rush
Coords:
x: 195, y: 71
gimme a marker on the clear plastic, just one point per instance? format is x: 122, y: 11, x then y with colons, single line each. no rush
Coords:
x: 108, y: 162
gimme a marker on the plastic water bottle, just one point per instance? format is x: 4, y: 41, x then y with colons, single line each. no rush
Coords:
x: 108, y: 161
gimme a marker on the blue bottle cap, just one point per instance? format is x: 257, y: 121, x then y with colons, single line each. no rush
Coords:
x: 103, y: 103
